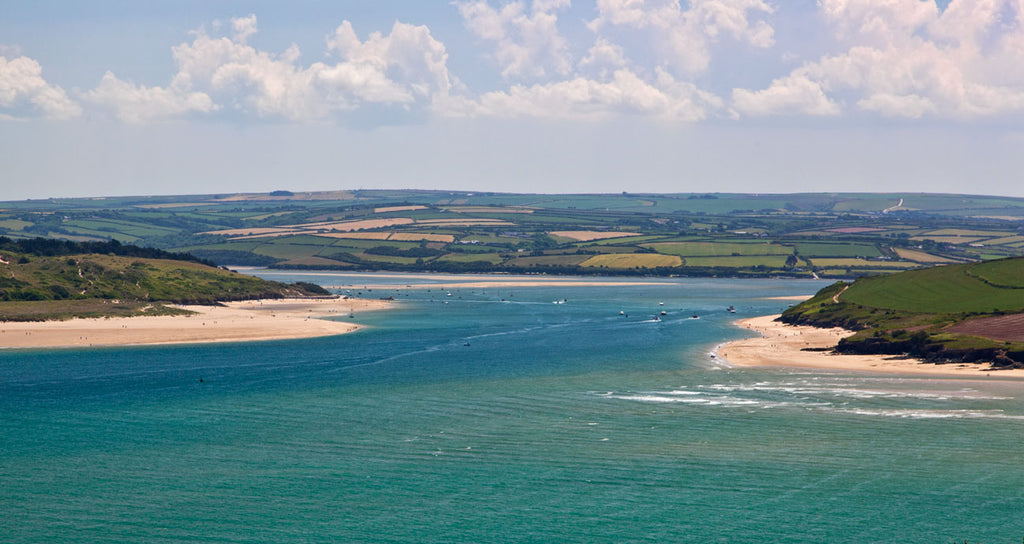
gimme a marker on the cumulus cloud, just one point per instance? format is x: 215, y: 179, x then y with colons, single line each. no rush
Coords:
x: 405, y: 68
x: 796, y: 94
x: 581, y: 98
x: 905, y: 58
x: 409, y: 60
x: 602, y: 57
x: 605, y: 82
x: 891, y: 58
x: 24, y: 92
x: 139, y: 104
x: 684, y: 36
x: 526, y: 42
x: 244, y: 27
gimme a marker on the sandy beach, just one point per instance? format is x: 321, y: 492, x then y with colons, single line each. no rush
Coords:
x: 781, y: 345
x: 233, y: 322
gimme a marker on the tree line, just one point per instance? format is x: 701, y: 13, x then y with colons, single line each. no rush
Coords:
x: 50, y: 247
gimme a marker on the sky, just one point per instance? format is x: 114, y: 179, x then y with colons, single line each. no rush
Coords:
x: 106, y: 98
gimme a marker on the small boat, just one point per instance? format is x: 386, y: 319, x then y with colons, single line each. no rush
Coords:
x: 695, y: 316
x: 731, y: 309
x: 656, y: 318
x: 661, y: 304
x: 622, y: 312
x: 663, y: 312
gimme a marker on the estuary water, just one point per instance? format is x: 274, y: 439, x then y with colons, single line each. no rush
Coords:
x: 503, y: 414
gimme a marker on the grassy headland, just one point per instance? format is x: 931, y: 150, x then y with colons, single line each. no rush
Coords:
x: 49, y: 279
x: 957, y: 313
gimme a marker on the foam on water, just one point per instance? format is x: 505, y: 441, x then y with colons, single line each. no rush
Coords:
x: 835, y: 396
x: 932, y: 414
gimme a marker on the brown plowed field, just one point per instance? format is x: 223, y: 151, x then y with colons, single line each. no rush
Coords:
x: 1007, y: 328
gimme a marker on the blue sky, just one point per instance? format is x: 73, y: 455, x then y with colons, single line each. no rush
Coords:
x: 123, y: 98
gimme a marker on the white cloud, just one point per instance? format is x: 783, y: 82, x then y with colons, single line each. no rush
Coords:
x: 792, y: 95
x: 139, y: 104
x: 404, y: 67
x: 892, y: 105
x: 525, y: 44
x: 903, y: 58
x: 407, y: 68
x: 22, y: 87
x: 602, y: 57
x: 684, y: 36
x: 409, y: 57
x: 581, y: 98
x: 877, y: 21
x: 244, y: 27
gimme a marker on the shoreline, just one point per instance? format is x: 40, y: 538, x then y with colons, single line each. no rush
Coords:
x: 780, y: 345
x: 515, y: 276
x: 489, y: 285
x: 242, y: 321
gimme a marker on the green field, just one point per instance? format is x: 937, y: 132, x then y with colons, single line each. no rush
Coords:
x: 947, y: 289
x: 719, y: 249
x: 632, y: 260
x: 14, y: 224
x: 930, y: 314
x: 819, y: 249
x: 1007, y: 273
x: 770, y: 261
x: 491, y: 258
x: 716, y: 231
x: 861, y: 263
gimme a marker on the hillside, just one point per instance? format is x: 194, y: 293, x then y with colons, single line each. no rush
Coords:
x: 694, y: 234
x: 41, y: 280
x: 957, y: 313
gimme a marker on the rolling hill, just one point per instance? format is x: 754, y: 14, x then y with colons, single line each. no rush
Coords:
x: 972, y: 312
x: 828, y: 235
x: 47, y: 279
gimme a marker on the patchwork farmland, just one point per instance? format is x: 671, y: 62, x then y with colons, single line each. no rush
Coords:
x: 803, y: 235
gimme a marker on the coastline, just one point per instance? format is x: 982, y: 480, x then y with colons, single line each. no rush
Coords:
x: 244, y: 321
x: 781, y: 345
x: 490, y: 285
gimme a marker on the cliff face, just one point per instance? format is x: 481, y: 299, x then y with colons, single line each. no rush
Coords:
x: 921, y: 345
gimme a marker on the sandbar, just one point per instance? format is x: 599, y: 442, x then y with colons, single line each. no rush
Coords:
x: 232, y: 322
x: 781, y: 345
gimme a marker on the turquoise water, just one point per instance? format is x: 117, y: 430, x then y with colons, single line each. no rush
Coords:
x: 556, y: 423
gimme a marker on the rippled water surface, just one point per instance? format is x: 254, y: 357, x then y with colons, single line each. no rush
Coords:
x: 496, y: 415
